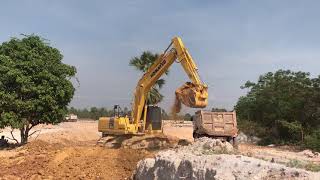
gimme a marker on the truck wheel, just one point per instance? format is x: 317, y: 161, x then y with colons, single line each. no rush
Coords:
x: 235, y: 143
x: 229, y: 139
x: 103, y: 134
x: 195, y: 135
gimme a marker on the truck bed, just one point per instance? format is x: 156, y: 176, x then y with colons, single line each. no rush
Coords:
x: 218, y: 124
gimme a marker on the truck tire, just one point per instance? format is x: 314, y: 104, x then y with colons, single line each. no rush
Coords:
x: 229, y: 139
x: 104, y: 134
x: 235, y: 143
x: 195, y: 135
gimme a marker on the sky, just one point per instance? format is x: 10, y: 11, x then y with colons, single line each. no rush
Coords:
x: 231, y: 41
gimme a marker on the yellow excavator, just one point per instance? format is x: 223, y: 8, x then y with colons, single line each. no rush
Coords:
x: 147, y: 119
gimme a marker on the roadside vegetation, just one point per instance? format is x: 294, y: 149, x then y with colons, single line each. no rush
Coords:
x: 282, y: 108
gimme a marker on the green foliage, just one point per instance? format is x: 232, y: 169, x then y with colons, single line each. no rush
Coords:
x: 285, y: 103
x: 35, y: 85
x: 143, y: 63
x: 95, y: 113
x: 166, y: 116
x: 312, y: 141
x: 251, y: 128
x: 289, y: 131
x: 312, y: 167
x: 294, y: 163
x: 218, y: 110
x: 187, y: 117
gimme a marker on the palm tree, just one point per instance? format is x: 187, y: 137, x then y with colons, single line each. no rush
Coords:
x: 143, y: 63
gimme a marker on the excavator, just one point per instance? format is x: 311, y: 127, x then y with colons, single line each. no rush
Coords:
x: 147, y: 119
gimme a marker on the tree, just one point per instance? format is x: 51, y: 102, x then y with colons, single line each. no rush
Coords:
x: 187, y: 117
x: 143, y: 63
x: 94, y: 113
x: 285, y: 103
x: 35, y: 86
x: 218, y: 110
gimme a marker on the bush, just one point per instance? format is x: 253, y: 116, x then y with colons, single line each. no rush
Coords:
x: 251, y: 128
x: 267, y: 140
x: 312, y: 167
x: 312, y: 141
x: 289, y: 131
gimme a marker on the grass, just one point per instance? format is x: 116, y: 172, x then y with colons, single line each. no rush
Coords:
x: 310, y: 166
x: 294, y: 163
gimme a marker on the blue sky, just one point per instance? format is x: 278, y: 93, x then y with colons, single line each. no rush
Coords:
x: 231, y: 41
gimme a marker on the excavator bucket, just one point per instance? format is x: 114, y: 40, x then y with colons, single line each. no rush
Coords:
x: 192, y: 95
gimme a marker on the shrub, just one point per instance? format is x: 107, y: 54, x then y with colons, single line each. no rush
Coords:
x: 289, y: 131
x: 312, y: 141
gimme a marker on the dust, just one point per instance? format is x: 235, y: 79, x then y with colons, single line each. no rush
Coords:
x: 176, y: 107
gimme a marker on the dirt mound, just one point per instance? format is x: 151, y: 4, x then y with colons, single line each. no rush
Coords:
x: 150, y: 142
x: 202, y: 161
x: 42, y: 160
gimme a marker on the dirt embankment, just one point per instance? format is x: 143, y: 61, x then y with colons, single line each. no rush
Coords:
x: 69, y: 153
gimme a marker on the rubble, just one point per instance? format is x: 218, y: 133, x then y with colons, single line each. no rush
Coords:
x: 207, y: 145
x: 308, y: 153
x: 243, y: 138
x: 213, y: 159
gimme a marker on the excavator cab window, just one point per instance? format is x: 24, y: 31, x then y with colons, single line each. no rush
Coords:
x: 117, y: 111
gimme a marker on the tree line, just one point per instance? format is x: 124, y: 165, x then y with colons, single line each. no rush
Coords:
x: 282, y: 107
x: 96, y: 112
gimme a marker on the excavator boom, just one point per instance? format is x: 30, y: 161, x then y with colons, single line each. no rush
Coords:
x: 192, y: 94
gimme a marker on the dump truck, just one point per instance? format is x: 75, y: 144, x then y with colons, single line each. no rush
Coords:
x: 221, y: 125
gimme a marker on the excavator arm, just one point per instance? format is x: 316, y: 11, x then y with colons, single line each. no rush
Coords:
x: 192, y: 94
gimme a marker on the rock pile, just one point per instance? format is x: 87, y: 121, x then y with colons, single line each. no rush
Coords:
x: 206, y: 146
x: 243, y: 138
x: 201, y: 160
x: 308, y: 153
